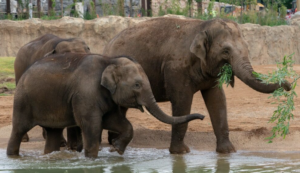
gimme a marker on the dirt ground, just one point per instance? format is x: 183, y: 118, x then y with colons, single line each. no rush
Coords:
x: 248, y: 115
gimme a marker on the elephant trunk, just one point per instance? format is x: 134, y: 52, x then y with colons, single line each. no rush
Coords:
x: 244, y: 71
x: 161, y: 116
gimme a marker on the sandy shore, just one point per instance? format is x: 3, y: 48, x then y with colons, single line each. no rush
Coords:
x: 248, y: 115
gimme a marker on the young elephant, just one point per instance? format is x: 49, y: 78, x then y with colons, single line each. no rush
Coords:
x: 40, y: 48
x: 83, y: 90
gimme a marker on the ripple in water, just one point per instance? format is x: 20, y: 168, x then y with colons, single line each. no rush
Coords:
x: 150, y: 160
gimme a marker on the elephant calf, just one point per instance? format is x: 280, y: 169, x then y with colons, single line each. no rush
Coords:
x: 84, y: 90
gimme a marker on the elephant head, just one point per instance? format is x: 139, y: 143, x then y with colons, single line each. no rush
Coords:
x: 221, y: 42
x: 44, y: 46
x: 72, y: 45
x: 130, y: 87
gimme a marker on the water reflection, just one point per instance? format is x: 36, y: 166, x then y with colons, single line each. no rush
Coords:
x: 179, y: 165
x: 222, y: 165
x: 121, y: 168
x: 150, y: 160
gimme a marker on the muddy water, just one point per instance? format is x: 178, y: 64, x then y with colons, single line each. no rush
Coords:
x: 150, y: 160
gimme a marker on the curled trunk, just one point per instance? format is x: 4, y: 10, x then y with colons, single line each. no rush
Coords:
x: 244, y: 71
x: 161, y: 116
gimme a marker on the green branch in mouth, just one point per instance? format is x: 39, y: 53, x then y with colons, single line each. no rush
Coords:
x: 225, y: 75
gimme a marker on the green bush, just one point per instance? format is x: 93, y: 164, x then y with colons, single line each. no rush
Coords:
x: 91, y: 14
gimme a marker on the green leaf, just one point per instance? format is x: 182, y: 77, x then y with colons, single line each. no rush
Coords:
x: 225, y: 75
x: 284, y: 99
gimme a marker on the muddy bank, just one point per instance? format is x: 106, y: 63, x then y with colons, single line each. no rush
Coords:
x: 248, y: 115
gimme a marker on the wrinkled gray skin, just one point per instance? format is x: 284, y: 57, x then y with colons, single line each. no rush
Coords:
x: 83, y: 90
x: 184, y: 56
x: 39, y: 48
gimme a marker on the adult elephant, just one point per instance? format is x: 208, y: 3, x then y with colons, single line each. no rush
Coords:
x: 184, y: 56
x: 85, y: 91
x: 40, y: 48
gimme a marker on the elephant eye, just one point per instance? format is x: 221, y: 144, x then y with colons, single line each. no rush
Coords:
x: 226, y: 51
x: 137, y: 86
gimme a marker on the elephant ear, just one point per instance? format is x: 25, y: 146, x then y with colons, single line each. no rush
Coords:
x: 198, y: 47
x: 108, y: 79
x: 49, y: 53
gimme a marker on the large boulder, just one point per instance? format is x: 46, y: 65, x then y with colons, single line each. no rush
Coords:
x: 268, y: 45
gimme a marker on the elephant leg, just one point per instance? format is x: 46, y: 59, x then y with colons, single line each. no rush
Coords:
x: 113, y: 135
x: 52, y: 141
x: 181, y: 96
x: 74, y: 138
x: 63, y: 141
x: 18, y: 131
x: 44, y: 133
x: 180, y: 106
x: 25, y: 138
x: 118, y: 123
x: 88, y: 117
x: 90, y: 139
x: 215, y: 102
x: 91, y: 127
x: 14, y: 143
x: 80, y: 141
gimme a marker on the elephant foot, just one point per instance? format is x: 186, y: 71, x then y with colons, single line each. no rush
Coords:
x: 63, y: 142
x: 117, y: 146
x: 25, y: 138
x: 79, y: 147
x: 225, y: 147
x: 113, y: 149
x: 72, y: 146
x: 179, y: 148
x: 112, y: 136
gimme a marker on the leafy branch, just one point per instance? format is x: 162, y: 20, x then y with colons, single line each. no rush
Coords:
x: 284, y: 99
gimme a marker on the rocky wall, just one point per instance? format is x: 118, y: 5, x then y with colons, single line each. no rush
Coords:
x: 266, y: 44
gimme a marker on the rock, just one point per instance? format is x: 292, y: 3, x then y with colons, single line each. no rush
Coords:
x: 3, y: 89
x: 266, y: 45
x: 295, y: 20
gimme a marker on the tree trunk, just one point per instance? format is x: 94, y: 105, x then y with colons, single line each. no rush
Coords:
x: 38, y: 3
x: 7, y: 6
x: 232, y: 7
x: 298, y: 5
x: 241, y: 11
x: 49, y: 7
x: 130, y: 9
x: 121, y: 7
x: 95, y: 6
x: 62, y: 8
x: 189, y: 7
x: 199, y: 7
